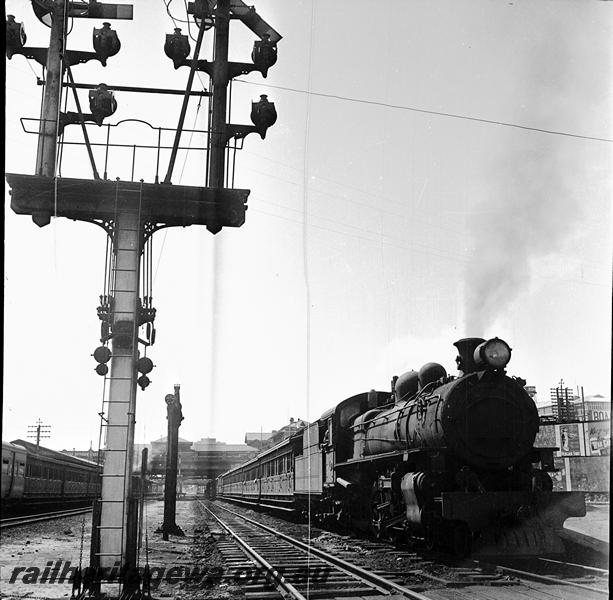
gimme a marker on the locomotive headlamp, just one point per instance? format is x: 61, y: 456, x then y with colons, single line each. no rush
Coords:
x: 493, y: 354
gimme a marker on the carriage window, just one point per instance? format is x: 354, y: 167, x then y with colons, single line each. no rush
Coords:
x: 21, y: 469
x: 5, y: 465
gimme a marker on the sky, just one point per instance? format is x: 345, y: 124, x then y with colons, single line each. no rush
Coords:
x: 438, y: 170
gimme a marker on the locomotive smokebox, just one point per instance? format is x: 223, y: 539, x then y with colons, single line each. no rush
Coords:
x: 466, y: 349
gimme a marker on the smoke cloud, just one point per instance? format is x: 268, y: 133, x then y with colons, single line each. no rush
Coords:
x: 539, y: 187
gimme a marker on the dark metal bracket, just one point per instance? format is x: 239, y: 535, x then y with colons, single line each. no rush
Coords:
x: 234, y: 68
x: 242, y: 131
x: 73, y: 118
x: 73, y: 57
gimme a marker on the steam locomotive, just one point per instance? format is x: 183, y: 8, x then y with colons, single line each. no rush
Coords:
x: 447, y: 460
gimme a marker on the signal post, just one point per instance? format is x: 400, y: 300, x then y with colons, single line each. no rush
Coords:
x: 130, y: 212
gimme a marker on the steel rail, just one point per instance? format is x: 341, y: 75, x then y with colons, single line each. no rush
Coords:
x: 366, y: 576
x: 546, y: 579
x: 559, y: 562
x: 287, y: 590
x: 27, y: 519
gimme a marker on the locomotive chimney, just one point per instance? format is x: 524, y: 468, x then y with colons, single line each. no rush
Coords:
x: 466, y: 348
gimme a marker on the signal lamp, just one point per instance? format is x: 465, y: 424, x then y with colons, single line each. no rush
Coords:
x: 43, y: 9
x: 493, y: 354
x: 144, y: 365
x: 102, y: 369
x: 263, y: 115
x: 264, y: 54
x: 15, y: 36
x: 102, y: 354
x: 201, y: 9
x: 143, y: 381
x: 177, y: 47
x: 102, y: 103
x: 106, y: 42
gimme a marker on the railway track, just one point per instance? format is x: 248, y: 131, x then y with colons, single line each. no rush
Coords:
x: 433, y: 577
x: 274, y: 565
x: 27, y: 519
x: 552, y: 572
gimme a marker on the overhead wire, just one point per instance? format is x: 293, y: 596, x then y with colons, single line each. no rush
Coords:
x: 381, y: 237
x: 414, y: 217
x: 432, y: 112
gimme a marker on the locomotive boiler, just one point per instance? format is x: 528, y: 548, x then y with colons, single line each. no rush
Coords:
x: 446, y: 459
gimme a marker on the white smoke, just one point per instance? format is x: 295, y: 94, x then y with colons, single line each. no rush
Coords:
x: 539, y: 188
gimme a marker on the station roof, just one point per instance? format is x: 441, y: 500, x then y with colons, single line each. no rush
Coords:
x: 258, y: 436
x: 213, y: 445
x: 42, y: 451
x: 164, y: 440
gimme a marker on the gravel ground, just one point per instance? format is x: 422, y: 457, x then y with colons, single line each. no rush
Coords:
x: 370, y: 555
x: 196, y: 552
x: 36, y: 549
x: 188, y: 567
x: 420, y: 570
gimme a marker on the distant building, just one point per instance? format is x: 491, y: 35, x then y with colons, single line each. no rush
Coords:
x: 204, y: 459
x: 259, y: 439
x: 289, y: 430
x: 91, y: 454
x: 212, y: 457
x: 531, y: 391
x: 159, y: 446
x: 592, y: 408
x: 263, y: 441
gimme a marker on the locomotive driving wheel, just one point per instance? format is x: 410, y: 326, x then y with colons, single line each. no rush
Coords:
x: 381, y: 511
x: 377, y: 502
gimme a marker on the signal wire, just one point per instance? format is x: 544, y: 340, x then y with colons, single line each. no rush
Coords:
x: 433, y: 112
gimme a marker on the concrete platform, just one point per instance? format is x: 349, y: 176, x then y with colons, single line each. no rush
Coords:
x: 592, y: 530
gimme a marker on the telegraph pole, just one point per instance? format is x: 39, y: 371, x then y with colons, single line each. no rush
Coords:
x: 39, y: 431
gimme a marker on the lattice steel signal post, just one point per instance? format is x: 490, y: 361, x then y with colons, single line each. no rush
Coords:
x: 130, y: 212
